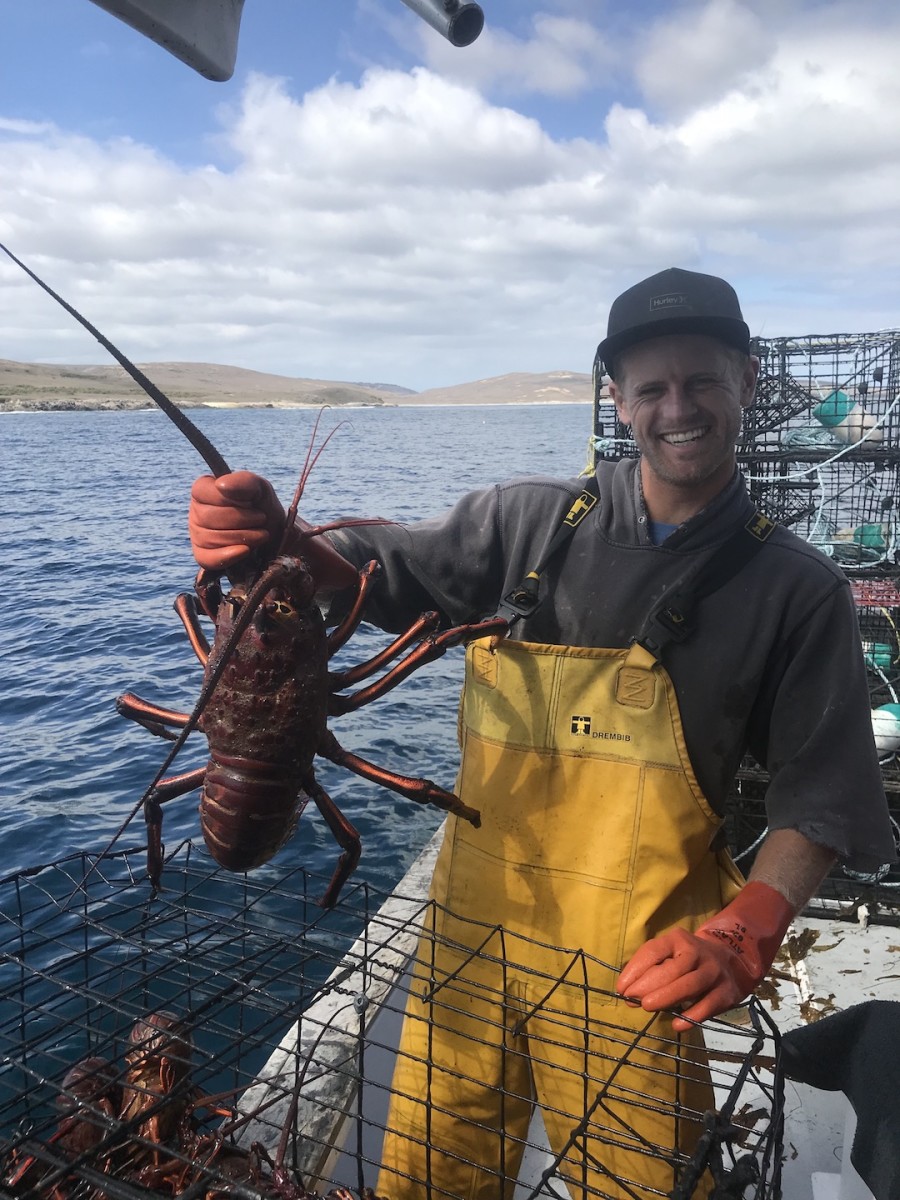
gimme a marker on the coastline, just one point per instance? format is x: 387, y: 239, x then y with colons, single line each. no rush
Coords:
x: 280, y: 406
x: 40, y: 387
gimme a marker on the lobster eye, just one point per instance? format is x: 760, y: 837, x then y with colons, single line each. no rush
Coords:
x: 280, y: 610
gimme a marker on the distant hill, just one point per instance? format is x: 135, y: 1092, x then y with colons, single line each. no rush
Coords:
x: 519, y: 388
x: 42, y: 386
x: 392, y: 388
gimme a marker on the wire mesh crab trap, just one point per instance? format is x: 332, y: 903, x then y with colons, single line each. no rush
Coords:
x: 826, y: 392
x: 230, y: 1038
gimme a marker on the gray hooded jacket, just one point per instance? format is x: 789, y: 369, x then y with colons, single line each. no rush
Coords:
x: 775, y: 665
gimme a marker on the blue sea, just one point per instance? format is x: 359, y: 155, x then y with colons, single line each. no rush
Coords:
x: 95, y: 549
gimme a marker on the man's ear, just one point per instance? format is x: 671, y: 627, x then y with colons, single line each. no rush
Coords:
x: 621, y: 406
x: 748, y: 383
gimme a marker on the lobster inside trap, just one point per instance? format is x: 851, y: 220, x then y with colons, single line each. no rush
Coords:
x: 229, y: 1037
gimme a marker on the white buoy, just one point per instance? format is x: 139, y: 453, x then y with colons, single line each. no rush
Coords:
x: 886, y: 728
x: 847, y: 420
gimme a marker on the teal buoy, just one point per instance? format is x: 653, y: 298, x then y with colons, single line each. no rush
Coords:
x: 845, y: 419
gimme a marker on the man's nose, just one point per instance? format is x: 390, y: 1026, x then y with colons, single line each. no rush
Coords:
x: 678, y: 402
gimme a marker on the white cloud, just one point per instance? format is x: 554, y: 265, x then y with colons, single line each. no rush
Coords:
x: 691, y: 56
x: 561, y: 56
x: 407, y: 229
x: 25, y: 128
x: 397, y: 129
x: 406, y: 206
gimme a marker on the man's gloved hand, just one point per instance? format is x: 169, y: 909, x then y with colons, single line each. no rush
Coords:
x: 231, y: 516
x: 238, y: 513
x: 714, y: 969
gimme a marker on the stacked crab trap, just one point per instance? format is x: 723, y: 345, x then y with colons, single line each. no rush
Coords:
x: 820, y: 450
x: 228, y: 1037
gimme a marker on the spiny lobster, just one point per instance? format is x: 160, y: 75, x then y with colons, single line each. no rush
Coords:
x: 138, y: 1124
x: 268, y: 690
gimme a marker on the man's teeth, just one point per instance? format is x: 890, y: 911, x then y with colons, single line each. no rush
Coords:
x: 690, y: 435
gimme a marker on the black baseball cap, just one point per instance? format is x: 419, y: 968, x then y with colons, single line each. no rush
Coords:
x: 674, y: 301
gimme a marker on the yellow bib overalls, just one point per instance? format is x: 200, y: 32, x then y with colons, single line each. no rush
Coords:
x: 595, y: 837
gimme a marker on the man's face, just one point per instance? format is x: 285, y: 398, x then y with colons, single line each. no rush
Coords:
x: 683, y: 396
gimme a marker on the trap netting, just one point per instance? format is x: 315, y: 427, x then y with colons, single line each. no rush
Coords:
x: 825, y: 392
x: 230, y: 1038
x: 820, y: 446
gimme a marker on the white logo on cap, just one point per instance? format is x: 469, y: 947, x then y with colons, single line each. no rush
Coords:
x: 672, y: 300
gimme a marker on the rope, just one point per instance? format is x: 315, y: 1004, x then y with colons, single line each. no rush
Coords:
x: 867, y: 436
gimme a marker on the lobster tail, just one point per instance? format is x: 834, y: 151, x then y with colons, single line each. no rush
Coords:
x: 247, y: 813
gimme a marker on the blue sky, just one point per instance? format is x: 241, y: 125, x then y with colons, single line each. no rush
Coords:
x: 98, y: 75
x: 364, y: 201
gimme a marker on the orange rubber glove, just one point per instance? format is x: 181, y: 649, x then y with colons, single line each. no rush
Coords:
x: 714, y: 969
x: 231, y: 516
x: 236, y: 514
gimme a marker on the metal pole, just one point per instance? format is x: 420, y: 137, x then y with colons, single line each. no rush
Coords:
x: 460, y: 23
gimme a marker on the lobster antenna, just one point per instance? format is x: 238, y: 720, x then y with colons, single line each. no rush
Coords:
x: 308, y: 466
x: 198, y: 440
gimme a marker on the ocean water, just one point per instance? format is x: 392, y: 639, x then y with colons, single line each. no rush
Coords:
x: 95, y: 549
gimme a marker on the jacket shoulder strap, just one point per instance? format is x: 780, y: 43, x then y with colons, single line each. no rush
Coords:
x: 523, y: 600
x: 672, y: 620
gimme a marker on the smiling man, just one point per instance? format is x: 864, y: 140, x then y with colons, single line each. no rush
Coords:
x: 676, y: 629
x: 678, y: 355
x: 681, y: 379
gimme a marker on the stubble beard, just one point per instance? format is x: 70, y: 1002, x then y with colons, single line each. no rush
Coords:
x: 691, y: 475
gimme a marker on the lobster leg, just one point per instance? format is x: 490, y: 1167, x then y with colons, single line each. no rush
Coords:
x: 433, y: 647
x: 423, y: 791
x: 166, y: 789
x: 209, y: 592
x: 178, y: 785
x: 427, y: 622
x: 342, y: 632
x: 158, y: 720
x: 186, y: 607
x: 345, y: 834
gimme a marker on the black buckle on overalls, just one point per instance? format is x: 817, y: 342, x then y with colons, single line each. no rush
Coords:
x: 668, y: 624
x: 518, y: 604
